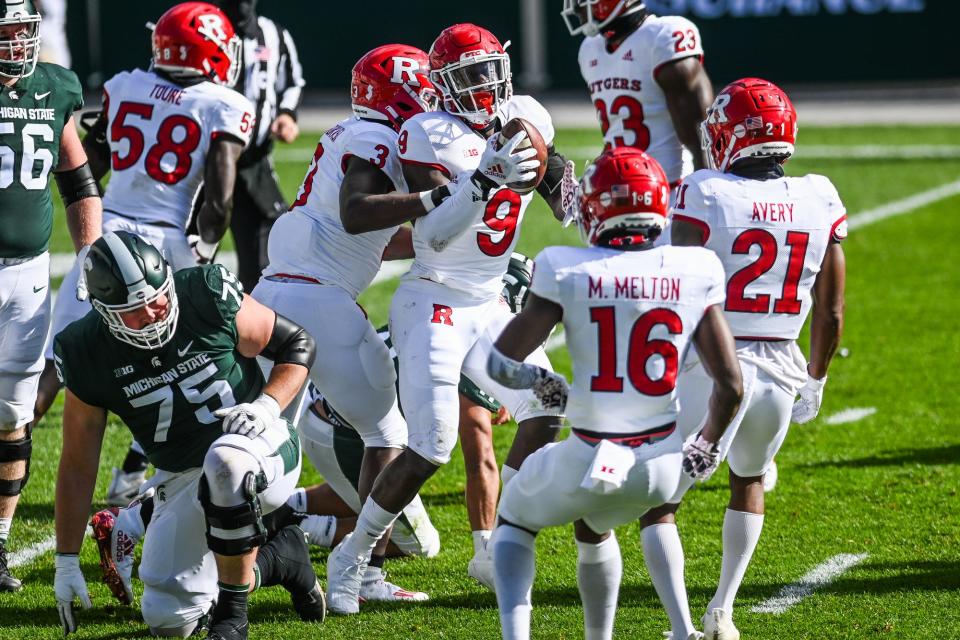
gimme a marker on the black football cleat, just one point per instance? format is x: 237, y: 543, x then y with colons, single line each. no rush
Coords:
x: 285, y: 560
x: 7, y: 581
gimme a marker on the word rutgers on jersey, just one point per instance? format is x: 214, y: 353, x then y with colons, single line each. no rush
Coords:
x: 630, y: 287
x: 627, y: 84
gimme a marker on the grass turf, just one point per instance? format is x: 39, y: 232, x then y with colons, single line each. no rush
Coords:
x: 886, y: 485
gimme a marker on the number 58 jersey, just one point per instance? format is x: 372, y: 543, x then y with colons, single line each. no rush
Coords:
x: 629, y: 317
x: 159, y: 134
x: 771, y: 236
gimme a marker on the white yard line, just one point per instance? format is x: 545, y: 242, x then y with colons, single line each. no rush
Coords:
x: 906, y: 205
x: 820, y: 576
x: 851, y: 415
x: 31, y: 553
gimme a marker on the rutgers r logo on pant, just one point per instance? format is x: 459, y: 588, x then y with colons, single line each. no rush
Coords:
x: 442, y: 314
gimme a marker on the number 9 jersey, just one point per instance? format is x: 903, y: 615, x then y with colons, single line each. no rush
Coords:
x: 159, y: 134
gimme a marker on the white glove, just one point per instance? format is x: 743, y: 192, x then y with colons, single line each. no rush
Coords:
x: 551, y: 390
x: 502, y: 166
x: 82, y: 293
x: 68, y: 583
x: 700, y: 458
x: 570, y: 195
x: 807, y: 405
x: 250, y: 418
x: 203, y: 252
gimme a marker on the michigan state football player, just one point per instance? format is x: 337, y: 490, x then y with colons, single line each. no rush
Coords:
x: 37, y: 136
x: 174, y: 357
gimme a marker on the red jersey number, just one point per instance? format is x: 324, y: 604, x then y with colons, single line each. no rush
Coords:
x: 178, y: 135
x: 788, y: 302
x: 630, y: 111
x: 500, y: 219
x: 307, y: 185
x: 640, y: 349
x: 685, y: 41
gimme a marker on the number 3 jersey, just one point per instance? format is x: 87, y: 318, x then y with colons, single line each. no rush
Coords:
x: 167, y: 396
x: 475, y: 261
x: 629, y: 317
x: 631, y: 106
x: 771, y: 236
x: 159, y: 134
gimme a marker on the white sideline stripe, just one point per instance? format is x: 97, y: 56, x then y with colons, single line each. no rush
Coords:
x: 31, y: 553
x: 821, y: 575
x: 898, y: 207
x: 851, y: 415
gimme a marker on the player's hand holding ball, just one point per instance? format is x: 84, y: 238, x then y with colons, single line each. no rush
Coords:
x: 516, y: 158
x: 250, y: 418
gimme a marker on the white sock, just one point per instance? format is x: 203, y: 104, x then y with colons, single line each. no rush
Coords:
x: 514, y: 567
x: 741, y: 531
x: 320, y: 530
x: 481, y: 541
x: 599, y: 569
x: 506, y: 474
x: 372, y: 523
x: 664, y: 556
x: 5, y: 529
x: 298, y: 500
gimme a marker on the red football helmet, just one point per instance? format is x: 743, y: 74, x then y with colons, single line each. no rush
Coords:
x: 750, y: 118
x: 390, y: 83
x: 470, y: 67
x: 589, y: 17
x: 196, y: 40
x: 623, y: 193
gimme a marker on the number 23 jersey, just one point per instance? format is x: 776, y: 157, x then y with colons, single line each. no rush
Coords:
x: 167, y: 396
x: 771, y: 236
x: 159, y: 134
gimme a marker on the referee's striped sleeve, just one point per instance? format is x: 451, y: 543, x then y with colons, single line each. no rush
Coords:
x: 290, y: 81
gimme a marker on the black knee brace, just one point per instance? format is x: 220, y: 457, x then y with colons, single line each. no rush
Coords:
x: 13, y: 451
x: 243, y: 515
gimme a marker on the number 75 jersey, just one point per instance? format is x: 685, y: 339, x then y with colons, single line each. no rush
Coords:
x: 771, y: 236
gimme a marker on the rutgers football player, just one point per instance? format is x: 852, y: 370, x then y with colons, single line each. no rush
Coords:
x: 779, y: 241
x: 646, y: 79
x: 643, y: 306
x: 450, y: 301
x: 163, y: 133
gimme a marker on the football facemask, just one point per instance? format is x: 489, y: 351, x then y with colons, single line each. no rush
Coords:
x: 19, y: 38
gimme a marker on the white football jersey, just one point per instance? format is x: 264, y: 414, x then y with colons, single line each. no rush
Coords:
x: 631, y: 106
x: 629, y: 317
x: 771, y: 236
x: 159, y: 134
x: 332, y: 254
x: 476, y: 261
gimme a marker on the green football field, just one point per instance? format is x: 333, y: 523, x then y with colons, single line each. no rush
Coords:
x: 882, y: 488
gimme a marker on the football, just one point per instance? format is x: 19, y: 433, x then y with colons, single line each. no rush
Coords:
x: 534, y: 139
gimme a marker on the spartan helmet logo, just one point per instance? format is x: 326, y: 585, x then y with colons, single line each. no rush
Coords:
x: 155, y: 362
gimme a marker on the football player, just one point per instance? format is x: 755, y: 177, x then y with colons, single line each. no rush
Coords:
x: 163, y: 133
x: 37, y: 102
x: 631, y: 311
x: 174, y: 357
x: 779, y: 241
x: 447, y: 310
x: 646, y: 78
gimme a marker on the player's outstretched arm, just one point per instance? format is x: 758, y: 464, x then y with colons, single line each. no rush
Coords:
x: 369, y: 201
x: 219, y: 178
x: 689, y: 94
x: 826, y: 321
x: 718, y: 352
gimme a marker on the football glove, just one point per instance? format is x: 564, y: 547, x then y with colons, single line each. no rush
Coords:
x: 700, y: 458
x: 551, y: 389
x: 82, y: 293
x: 504, y: 165
x: 250, y: 418
x: 807, y: 405
x: 68, y: 584
x: 203, y: 252
x: 570, y: 194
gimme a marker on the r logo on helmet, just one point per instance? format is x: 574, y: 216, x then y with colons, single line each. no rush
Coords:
x: 717, y: 113
x: 405, y: 71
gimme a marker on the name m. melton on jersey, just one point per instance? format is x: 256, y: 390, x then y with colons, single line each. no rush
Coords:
x: 634, y: 288
x: 167, y: 377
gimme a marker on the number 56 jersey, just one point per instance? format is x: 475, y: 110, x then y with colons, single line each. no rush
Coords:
x: 159, y: 134
x: 629, y: 317
x: 771, y: 236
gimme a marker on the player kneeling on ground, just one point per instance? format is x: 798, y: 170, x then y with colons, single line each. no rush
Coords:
x: 643, y: 306
x: 174, y: 356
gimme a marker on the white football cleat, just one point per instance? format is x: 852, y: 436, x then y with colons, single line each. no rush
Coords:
x: 718, y: 625
x: 481, y: 569
x: 375, y: 588
x: 344, y: 579
x: 124, y: 487
x: 770, y: 477
x: 414, y: 533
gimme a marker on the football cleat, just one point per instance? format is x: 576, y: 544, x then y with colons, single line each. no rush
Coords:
x: 770, y: 477
x: 344, y: 579
x: 696, y: 635
x: 124, y: 487
x: 289, y: 556
x: 375, y: 588
x: 414, y: 533
x: 7, y: 581
x: 481, y: 569
x: 718, y: 625
x: 116, y: 554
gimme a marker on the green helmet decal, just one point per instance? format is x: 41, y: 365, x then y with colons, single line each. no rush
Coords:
x: 516, y: 281
x: 19, y: 47
x: 125, y: 273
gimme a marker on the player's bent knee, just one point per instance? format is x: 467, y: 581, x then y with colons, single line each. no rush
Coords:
x: 166, y: 613
x: 12, y: 451
x: 236, y: 529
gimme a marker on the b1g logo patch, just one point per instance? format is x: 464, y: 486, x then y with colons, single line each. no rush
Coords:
x: 442, y: 314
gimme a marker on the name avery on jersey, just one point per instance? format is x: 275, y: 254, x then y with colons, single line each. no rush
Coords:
x: 165, y: 378
x: 634, y: 288
x: 22, y: 113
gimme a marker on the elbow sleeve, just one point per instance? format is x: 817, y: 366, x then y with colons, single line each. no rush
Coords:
x: 77, y: 184
x: 290, y: 344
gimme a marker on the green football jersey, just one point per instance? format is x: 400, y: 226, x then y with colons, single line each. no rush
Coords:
x: 33, y: 113
x: 167, y: 396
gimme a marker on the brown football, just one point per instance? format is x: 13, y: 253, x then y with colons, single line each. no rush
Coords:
x: 512, y: 128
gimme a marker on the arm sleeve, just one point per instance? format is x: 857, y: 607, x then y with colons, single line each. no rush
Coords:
x: 232, y: 115
x: 678, y: 38
x: 415, y: 147
x: 692, y: 205
x: 544, y: 283
x: 290, y: 79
